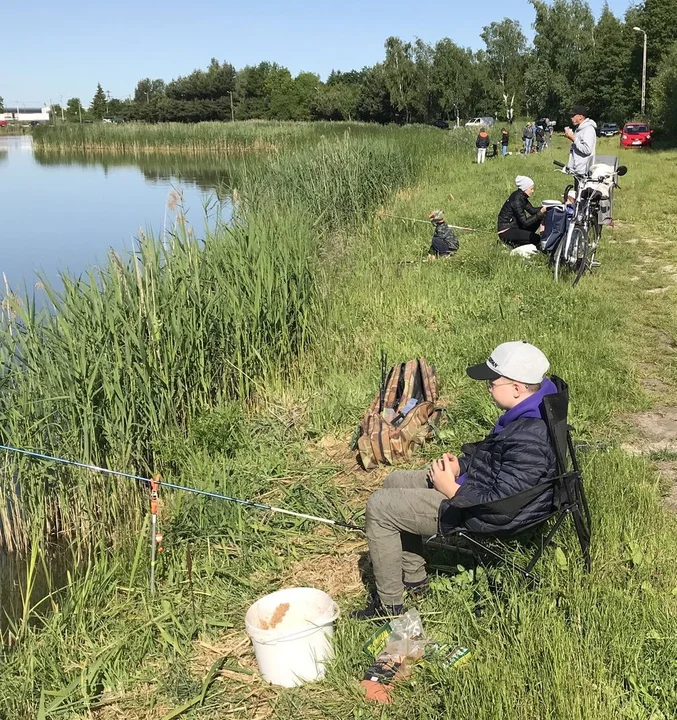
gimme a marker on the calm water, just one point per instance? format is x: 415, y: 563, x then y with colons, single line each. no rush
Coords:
x: 65, y: 212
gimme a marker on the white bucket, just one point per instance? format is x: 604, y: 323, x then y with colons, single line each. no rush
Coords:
x: 296, y: 649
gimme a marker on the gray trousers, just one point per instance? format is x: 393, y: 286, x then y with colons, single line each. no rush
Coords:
x: 396, y: 518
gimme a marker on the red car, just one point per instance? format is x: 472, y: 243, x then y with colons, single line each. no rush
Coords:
x: 3, y: 123
x: 636, y: 135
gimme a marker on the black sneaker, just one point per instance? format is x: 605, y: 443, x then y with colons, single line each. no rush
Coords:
x: 417, y: 589
x: 376, y: 609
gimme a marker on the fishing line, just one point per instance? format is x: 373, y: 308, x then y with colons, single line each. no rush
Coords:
x: 184, y: 488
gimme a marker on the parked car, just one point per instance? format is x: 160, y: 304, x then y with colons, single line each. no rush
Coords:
x: 480, y: 122
x: 441, y: 124
x: 609, y: 130
x: 636, y: 134
x: 3, y: 123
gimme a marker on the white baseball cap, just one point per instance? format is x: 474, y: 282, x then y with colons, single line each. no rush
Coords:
x: 517, y: 360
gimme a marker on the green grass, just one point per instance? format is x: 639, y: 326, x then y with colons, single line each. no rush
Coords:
x: 577, y: 646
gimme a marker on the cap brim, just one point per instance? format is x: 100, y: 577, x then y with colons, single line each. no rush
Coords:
x: 482, y: 371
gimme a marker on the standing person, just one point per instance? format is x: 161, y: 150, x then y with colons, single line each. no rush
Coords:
x: 528, y: 137
x: 517, y: 455
x: 444, y: 242
x: 482, y: 143
x: 583, y: 141
x: 539, y: 137
x: 518, y: 219
x: 505, y: 141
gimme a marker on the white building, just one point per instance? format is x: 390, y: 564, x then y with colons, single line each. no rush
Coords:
x: 27, y: 114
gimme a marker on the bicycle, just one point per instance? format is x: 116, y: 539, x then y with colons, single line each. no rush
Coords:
x: 576, y: 251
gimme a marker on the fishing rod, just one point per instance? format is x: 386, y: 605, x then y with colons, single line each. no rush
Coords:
x: 184, y: 488
x: 427, y: 222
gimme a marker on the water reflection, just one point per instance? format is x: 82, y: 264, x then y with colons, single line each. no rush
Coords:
x: 209, y: 174
x: 64, y: 212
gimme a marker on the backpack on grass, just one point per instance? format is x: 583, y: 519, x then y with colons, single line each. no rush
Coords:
x: 401, y: 417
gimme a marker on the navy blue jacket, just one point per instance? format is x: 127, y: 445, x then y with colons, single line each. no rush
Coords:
x: 516, y: 456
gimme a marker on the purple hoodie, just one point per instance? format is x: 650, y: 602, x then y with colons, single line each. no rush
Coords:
x: 528, y: 408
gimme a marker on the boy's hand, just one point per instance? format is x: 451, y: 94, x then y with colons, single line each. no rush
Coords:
x: 443, y: 473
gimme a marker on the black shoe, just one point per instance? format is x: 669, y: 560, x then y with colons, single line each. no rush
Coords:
x: 376, y: 609
x: 417, y: 589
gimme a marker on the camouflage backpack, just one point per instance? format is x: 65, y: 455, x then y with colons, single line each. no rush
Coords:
x: 401, y: 417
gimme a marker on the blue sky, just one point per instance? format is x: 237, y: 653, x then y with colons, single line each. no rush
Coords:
x: 55, y: 50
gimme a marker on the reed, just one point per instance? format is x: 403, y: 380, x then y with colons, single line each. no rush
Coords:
x: 135, y: 350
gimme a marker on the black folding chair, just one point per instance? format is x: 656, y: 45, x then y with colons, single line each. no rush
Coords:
x: 568, y: 501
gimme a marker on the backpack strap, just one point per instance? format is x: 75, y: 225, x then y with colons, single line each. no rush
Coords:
x: 409, y: 373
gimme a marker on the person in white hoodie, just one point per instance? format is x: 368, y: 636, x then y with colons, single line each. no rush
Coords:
x: 583, y: 141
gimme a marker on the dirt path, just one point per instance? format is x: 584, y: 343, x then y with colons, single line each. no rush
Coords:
x: 653, y: 433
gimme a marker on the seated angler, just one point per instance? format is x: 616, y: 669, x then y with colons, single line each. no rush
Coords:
x: 518, y: 219
x: 515, y: 456
x: 444, y: 241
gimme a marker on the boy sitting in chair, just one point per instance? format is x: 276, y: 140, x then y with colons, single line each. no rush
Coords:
x: 514, y: 457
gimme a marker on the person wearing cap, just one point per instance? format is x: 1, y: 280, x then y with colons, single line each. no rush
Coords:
x: 482, y: 143
x: 519, y: 220
x: 515, y: 456
x: 444, y: 241
x: 583, y: 141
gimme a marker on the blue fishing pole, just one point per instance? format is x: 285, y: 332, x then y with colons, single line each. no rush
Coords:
x: 184, y: 488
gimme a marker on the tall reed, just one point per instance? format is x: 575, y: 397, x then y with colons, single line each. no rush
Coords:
x: 133, y: 351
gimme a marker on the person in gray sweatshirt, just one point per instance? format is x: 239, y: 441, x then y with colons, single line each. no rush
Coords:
x: 583, y: 140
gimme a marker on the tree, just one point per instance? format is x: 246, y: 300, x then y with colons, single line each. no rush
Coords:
x: 280, y: 86
x: 659, y: 19
x: 664, y: 93
x: 450, y: 74
x: 563, y: 40
x: 373, y: 102
x: 252, y: 93
x: 2, y: 104
x: 606, y: 86
x: 147, y: 90
x: 505, y: 54
x: 400, y: 76
x: 97, y: 107
x: 74, y: 109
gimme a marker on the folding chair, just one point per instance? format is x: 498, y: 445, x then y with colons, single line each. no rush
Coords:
x: 568, y: 500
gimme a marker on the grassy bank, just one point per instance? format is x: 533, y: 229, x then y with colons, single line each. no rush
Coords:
x: 598, y: 646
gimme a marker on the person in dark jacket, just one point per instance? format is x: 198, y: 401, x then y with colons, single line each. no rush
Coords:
x: 514, y: 457
x: 444, y: 242
x: 528, y: 138
x: 482, y: 143
x: 518, y: 219
x: 505, y: 141
x: 539, y: 136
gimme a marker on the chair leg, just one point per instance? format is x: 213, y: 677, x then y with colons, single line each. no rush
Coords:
x: 583, y: 537
x: 548, y: 540
x: 526, y: 572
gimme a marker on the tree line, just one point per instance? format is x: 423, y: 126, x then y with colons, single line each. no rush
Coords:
x: 574, y: 58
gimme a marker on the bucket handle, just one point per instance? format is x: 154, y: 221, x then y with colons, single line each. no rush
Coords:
x: 299, y: 633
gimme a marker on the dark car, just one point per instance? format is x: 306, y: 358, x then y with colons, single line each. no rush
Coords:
x: 609, y: 130
x: 441, y: 124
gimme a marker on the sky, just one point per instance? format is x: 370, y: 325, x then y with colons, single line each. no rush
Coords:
x: 53, y: 51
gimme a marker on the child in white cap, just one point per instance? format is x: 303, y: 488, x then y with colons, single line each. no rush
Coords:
x: 515, y: 456
x: 519, y: 220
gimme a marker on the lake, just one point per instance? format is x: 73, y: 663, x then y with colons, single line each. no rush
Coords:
x: 64, y: 212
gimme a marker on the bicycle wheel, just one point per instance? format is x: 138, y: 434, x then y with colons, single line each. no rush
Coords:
x: 581, y: 245
x: 557, y: 259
